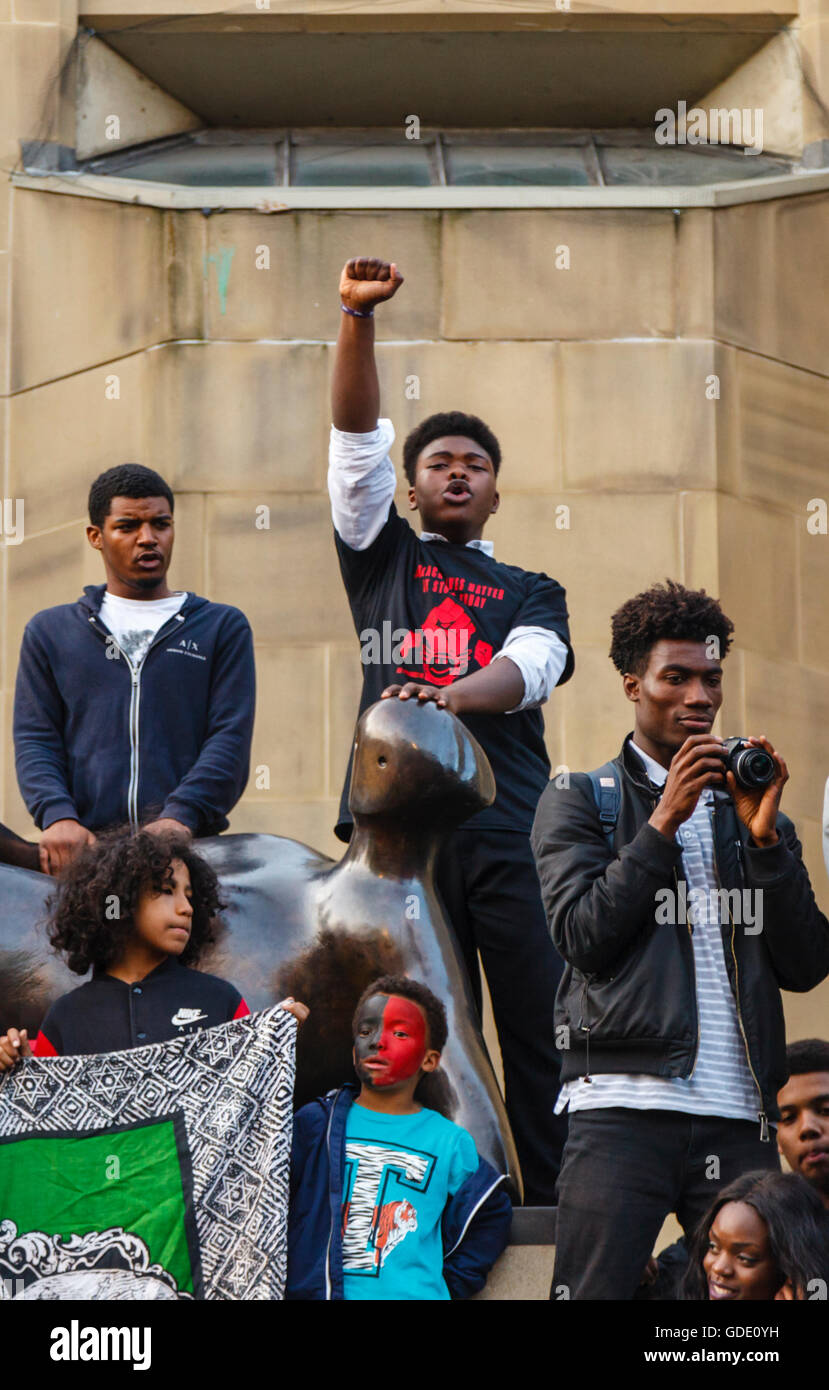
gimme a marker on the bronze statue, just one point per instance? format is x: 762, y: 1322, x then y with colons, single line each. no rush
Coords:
x: 15, y: 850
x: 301, y: 923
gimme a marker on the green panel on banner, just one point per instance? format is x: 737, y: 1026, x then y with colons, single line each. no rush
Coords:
x: 73, y: 1184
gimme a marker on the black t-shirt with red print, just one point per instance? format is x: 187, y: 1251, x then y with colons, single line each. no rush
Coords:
x: 434, y: 611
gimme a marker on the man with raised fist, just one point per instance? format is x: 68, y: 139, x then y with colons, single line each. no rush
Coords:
x: 439, y: 618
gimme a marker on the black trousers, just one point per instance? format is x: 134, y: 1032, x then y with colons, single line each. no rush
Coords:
x: 489, y: 885
x: 624, y: 1171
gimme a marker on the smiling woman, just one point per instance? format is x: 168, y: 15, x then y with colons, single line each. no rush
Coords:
x: 766, y: 1236
x: 738, y: 1262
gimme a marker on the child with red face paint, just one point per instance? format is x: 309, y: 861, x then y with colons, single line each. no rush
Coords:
x: 765, y: 1237
x: 390, y: 1200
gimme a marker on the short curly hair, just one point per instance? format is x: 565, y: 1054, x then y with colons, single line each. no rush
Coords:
x: 448, y: 422
x: 665, y: 612
x: 401, y: 985
x: 125, y: 480
x: 117, y: 870
x: 808, y: 1054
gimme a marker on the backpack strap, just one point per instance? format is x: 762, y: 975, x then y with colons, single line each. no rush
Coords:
x: 608, y: 797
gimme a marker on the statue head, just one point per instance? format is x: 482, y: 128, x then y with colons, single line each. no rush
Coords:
x: 417, y: 764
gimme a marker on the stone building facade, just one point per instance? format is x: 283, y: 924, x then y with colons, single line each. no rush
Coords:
x: 662, y: 402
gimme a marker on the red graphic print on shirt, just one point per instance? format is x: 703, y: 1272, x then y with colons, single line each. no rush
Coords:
x: 440, y: 650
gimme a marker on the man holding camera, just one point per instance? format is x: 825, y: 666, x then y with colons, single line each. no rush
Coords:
x: 676, y: 893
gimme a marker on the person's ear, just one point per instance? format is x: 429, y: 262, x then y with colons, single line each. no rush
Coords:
x: 496, y: 502
x: 630, y: 685
x: 412, y: 500
x: 431, y: 1060
x: 93, y: 535
x: 785, y: 1294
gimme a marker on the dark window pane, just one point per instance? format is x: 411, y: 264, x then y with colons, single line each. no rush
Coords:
x: 683, y: 166
x: 484, y: 164
x: 232, y: 166
x: 360, y: 165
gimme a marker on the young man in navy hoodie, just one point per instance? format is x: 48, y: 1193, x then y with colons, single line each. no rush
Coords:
x: 135, y: 703
x: 390, y: 1200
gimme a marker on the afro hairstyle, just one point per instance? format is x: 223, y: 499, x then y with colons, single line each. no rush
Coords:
x: 665, y: 612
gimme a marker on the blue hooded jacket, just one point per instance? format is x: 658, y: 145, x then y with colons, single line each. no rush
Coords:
x: 101, y: 742
x: 475, y: 1227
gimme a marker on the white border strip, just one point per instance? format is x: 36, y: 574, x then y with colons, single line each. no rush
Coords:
x: 273, y: 199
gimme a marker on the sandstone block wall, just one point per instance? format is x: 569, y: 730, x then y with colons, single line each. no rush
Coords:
x: 669, y: 389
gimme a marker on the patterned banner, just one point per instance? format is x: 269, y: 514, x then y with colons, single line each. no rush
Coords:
x: 161, y: 1172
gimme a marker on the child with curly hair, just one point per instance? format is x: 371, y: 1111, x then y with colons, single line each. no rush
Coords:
x: 139, y: 910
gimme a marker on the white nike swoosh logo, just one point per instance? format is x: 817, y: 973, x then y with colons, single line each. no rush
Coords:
x: 187, y: 1016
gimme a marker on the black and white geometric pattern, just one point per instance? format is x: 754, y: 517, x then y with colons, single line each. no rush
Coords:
x: 234, y: 1087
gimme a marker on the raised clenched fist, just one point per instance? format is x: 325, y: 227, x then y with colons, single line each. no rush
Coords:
x: 366, y: 282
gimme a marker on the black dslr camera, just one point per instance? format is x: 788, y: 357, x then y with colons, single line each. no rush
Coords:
x: 752, y: 767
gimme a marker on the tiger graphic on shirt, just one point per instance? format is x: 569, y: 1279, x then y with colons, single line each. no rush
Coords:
x: 392, y: 1221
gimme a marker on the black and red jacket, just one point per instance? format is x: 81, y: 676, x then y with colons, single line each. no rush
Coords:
x: 108, y: 1015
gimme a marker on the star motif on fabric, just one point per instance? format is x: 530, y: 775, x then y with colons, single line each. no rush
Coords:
x: 216, y: 1046
x: 33, y: 1086
x: 223, y: 1117
x: 235, y: 1194
x: 236, y: 1197
x: 110, y: 1083
x: 240, y: 1274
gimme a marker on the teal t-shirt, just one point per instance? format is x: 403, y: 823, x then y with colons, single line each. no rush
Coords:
x: 400, y: 1171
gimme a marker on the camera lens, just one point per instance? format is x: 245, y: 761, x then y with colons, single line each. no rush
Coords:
x: 754, y: 767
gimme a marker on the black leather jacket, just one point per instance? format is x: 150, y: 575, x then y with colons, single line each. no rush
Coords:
x: 628, y: 993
